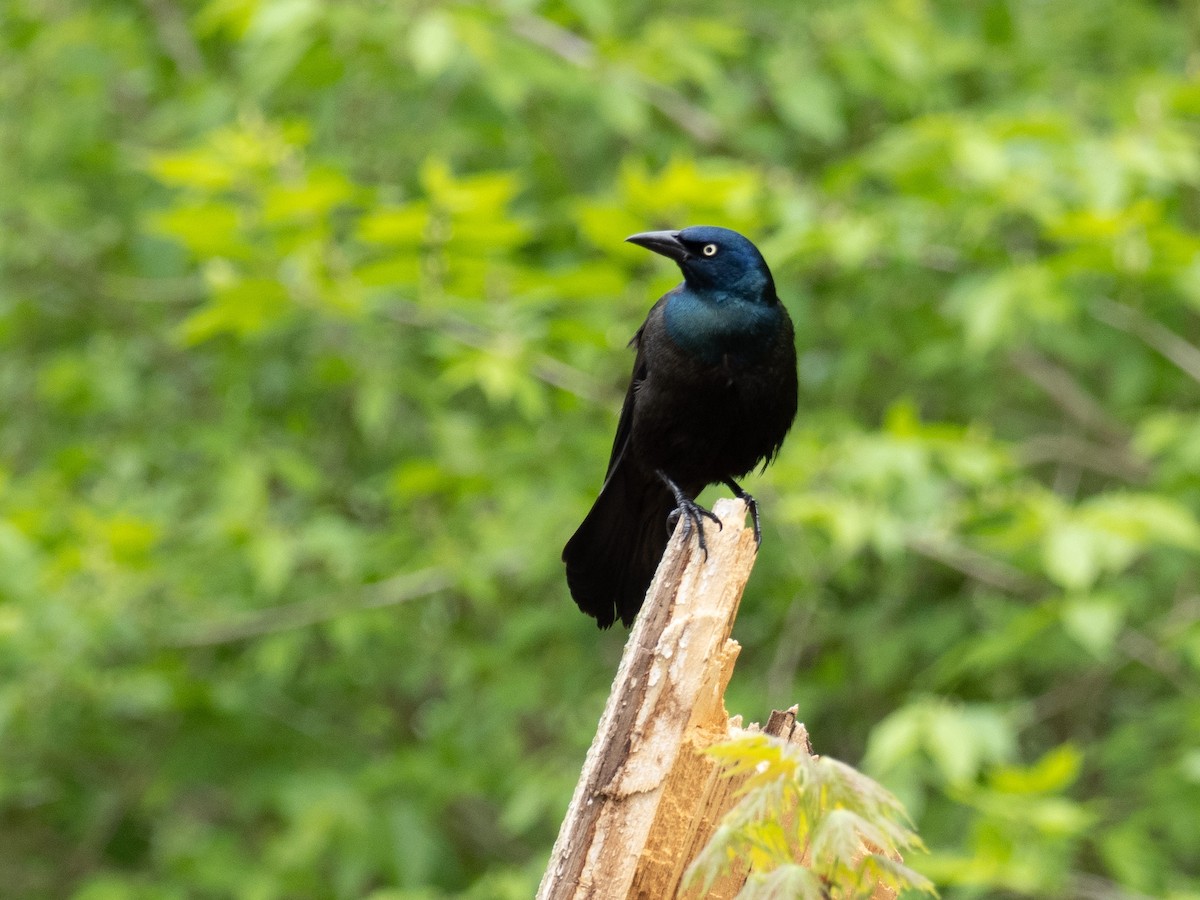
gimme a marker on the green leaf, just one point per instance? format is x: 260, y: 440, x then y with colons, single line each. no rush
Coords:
x: 1094, y: 621
x: 1055, y: 771
x: 244, y: 307
x: 790, y: 882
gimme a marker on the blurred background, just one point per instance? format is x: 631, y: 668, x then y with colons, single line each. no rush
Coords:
x: 312, y: 342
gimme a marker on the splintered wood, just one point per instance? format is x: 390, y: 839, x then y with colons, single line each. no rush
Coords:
x: 648, y: 798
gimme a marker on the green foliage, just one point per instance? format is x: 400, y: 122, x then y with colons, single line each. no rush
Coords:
x: 849, y: 830
x: 312, y: 335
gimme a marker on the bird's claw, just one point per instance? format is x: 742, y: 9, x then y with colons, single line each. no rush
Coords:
x: 686, y: 506
x: 694, y: 515
x: 741, y: 494
x: 753, y: 504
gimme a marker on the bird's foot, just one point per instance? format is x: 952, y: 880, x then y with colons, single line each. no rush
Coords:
x: 692, y: 512
x: 744, y: 496
x: 695, y: 515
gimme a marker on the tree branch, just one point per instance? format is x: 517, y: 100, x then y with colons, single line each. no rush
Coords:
x: 170, y: 24
x: 982, y: 568
x: 545, y: 368
x: 389, y: 592
x: 1119, y: 462
x: 578, y: 51
x: 1155, y: 335
x: 1070, y: 396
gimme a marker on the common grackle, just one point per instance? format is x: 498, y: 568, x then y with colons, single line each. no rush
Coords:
x: 712, y: 395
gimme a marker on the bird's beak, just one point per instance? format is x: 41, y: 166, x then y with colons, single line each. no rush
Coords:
x: 665, y: 242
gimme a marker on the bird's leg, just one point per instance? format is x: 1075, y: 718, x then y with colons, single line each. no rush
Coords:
x: 685, y: 506
x: 740, y: 493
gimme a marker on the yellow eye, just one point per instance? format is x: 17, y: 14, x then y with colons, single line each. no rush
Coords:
x: 710, y: 249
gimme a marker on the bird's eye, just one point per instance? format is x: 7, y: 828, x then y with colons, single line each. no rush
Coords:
x: 710, y: 249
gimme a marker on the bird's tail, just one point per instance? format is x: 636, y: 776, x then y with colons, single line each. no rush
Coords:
x: 612, y: 556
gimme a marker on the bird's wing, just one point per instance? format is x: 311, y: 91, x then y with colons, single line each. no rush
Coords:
x: 625, y: 423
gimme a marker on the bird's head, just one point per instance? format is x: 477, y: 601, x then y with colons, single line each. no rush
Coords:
x: 714, y: 259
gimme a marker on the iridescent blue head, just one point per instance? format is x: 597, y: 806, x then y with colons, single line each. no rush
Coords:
x: 726, y: 306
x: 715, y: 261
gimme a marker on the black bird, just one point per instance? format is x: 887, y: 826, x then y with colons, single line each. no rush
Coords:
x: 713, y: 394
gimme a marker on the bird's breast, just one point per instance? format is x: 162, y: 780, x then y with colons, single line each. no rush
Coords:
x: 721, y: 330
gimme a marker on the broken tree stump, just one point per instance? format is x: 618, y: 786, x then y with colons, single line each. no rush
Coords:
x: 649, y: 798
x: 634, y: 814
